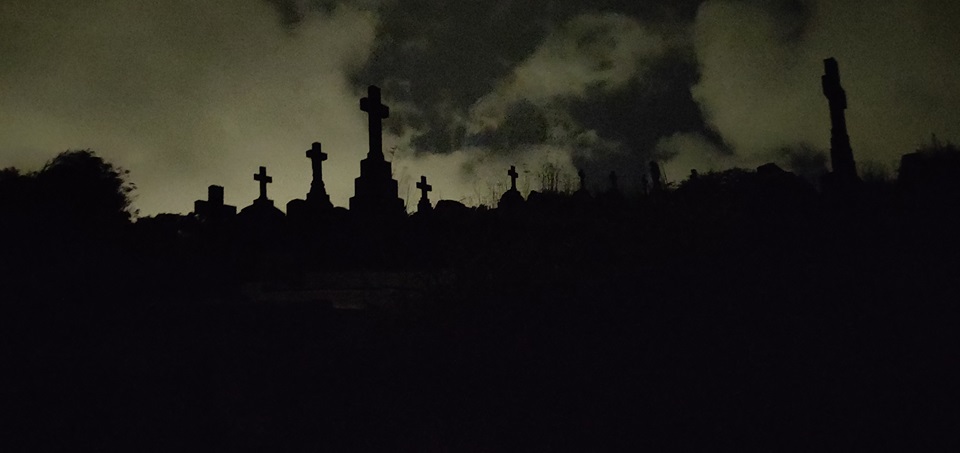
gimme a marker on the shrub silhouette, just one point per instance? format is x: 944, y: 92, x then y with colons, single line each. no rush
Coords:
x: 81, y: 190
x: 66, y: 226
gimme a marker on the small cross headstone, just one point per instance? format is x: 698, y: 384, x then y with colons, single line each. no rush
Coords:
x: 513, y: 177
x: 317, y: 157
x: 424, y: 204
x: 424, y: 187
x: 511, y: 199
x: 264, y: 180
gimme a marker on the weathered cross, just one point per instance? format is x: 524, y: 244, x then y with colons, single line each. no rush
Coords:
x: 317, y: 157
x: 424, y: 187
x: 513, y: 177
x: 264, y: 180
x: 376, y: 112
x: 831, y: 85
x: 841, y: 155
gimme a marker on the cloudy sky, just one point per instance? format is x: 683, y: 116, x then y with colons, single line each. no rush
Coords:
x: 188, y: 93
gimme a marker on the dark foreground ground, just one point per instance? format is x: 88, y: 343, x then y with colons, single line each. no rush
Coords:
x: 746, y: 337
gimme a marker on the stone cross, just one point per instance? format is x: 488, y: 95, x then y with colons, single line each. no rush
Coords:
x: 583, y: 179
x: 424, y: 187
x: 841, y: 155
x: 317, y: 157
x: 264, y: 180
x: 376, y: 113
x: 513, y: 177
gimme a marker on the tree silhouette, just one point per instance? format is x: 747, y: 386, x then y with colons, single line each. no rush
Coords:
x: 80, y: 189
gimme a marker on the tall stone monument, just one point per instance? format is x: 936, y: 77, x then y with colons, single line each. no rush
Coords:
x: 375, y: 191
x: 841, y: 155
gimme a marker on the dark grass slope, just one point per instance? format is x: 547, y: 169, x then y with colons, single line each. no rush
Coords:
x: 729, y: 315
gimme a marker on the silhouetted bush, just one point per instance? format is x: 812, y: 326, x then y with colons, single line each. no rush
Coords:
x: 82, y: 189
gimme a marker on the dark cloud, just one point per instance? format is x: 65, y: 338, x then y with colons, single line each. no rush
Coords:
x: 437, y: 62
x: 434, y: 55
x: 646, y: 110
x: 290, y: 11
x: 443, y: 58
x: 793, y: 18
x: 525, y: 124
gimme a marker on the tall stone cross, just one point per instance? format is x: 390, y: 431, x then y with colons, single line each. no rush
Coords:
x: 424, y: 187
x: 376, y: 113
x: 841, y: 155
x: 317, y: 157
x: 264, y: 180
x: 513, y: 177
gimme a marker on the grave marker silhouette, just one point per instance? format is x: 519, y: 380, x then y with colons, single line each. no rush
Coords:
x: 318, y: 191
x: 424, y: 204
x: 263, y: 179
x: 213, y: 209
x: 376, y: 113
x: 317, y: 203
x: 511, y: 199
x: 841, y: 154
x: 262, y: 217
x: 375, y: 191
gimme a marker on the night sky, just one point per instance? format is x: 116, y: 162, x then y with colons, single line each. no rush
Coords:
x: 188, y: 93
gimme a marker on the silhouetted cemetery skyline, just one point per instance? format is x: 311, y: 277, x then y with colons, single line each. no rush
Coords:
x: 376, y: 190
x: 375, y: 200
x: 743, y: 309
